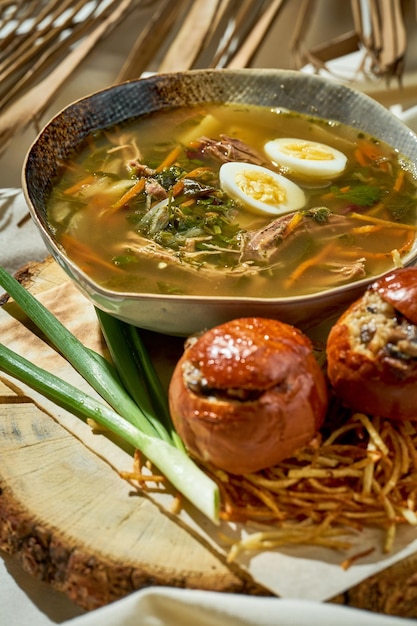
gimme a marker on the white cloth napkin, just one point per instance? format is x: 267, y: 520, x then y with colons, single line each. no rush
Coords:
x: 179, y: 607
x: 20, y: 241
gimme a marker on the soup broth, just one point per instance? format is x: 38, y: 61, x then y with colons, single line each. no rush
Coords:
x: 195, y: 201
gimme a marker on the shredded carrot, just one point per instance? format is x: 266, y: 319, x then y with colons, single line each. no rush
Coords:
x: 87, y: 180
x: 351, y: 254
x: 197, y: 172
x: 177, y: 188
x: 354, y: 254
x: 82, y: 251
x: 129, y: 194
x: 366, y: 254
x: 407, y: 244
x: 189, y: 202
x: 367, y: 228
x: 194, y: 143
x: 169, y: 159
x: 399, y: 180
x: 293, y: 223
x: 378, y: 220
x: 179, y: 185
x: 303, y: 267
x: 328, y: 196
x: 370, y: 150
x: 367, y: 153
x: 376, y: 256
x: 360, y: 158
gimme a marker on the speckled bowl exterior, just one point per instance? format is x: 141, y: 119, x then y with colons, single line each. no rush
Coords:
x: 305, y: 93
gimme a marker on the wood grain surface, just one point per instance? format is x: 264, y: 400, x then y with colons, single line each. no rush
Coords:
x: 71, y: 521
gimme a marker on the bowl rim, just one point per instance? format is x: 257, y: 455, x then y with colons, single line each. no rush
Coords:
x: 90, y: 285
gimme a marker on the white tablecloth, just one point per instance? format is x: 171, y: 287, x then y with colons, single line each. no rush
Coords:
x: 23, y: 602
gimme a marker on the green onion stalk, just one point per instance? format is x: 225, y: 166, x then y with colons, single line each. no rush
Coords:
x: 129, y: 386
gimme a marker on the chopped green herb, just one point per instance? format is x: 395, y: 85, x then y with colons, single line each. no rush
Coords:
x: 318, y: 214
x: 362, y: 195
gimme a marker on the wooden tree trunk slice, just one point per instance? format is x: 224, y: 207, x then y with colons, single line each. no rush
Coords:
x: 73, y: 522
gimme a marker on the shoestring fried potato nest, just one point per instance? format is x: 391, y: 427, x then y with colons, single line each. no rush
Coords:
x: 363, y: 473
x: 359, y: 471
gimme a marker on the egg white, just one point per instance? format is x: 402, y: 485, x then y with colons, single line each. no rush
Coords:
x: 260, y: 190
x: 308, y: 158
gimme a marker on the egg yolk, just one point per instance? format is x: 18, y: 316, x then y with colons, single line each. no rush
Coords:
x: 310, y: 151
x: 306, y: 158
x: 260, y: 186
x: 259, y: 189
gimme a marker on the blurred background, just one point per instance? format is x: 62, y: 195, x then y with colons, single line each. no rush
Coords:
x: 54, y: 52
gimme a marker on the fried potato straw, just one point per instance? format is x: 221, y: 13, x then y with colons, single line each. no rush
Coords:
x: 364, y: 473
x: 358, y: 472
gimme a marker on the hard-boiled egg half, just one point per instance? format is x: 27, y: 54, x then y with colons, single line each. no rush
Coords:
x: 308, y: 158
x: 259, y: 189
